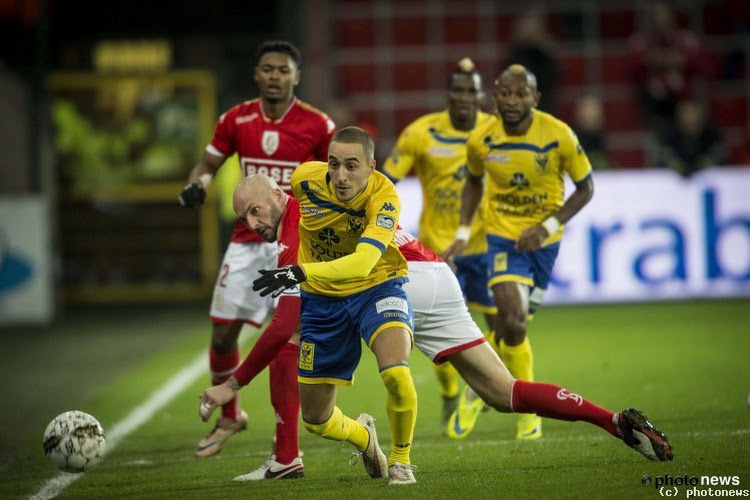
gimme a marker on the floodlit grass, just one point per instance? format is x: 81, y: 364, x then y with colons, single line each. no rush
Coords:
x: 684, y: 364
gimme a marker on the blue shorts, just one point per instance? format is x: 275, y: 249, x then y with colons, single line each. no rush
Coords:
x: 330, y: 348
x: 471, y: 272
x: 534, y: 269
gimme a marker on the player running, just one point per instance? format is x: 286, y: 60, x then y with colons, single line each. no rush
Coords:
x: 525, y: 154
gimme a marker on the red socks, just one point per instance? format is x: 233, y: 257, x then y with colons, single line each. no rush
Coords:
x: 552, y: 401
x: 285, y: 401
x: 222, y: 367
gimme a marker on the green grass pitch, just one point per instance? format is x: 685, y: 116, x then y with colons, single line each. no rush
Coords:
x: 686, y: 365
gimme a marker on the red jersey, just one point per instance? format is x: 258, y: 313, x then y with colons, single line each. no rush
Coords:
x: 274, y: 147
x: 412, y: 249
x: 288, y: 240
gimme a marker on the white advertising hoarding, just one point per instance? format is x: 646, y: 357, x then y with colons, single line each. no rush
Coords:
x: 648, y: 235
x: 26, y: 288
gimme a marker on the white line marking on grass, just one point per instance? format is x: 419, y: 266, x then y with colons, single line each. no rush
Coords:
x: 139, y: 416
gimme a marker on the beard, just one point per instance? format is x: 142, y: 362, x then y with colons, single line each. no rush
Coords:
x: 517, y: 121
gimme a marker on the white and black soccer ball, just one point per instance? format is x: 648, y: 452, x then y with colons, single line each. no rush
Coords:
x: 74, y: 441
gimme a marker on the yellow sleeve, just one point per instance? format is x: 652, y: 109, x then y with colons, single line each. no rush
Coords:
x: 353, y: 266
x: 404, y: 154
x: 576, y: 163
x: 474, y: 155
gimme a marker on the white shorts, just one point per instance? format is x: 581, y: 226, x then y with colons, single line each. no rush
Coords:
x: 442, y: 324
x: 234, y: 299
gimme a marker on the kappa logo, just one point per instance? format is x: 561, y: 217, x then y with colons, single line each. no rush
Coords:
x: 328, y: 236
x: 270, y: 141
x: 282, y: 247
x: 519, y: 181
x: 388, y: 207
x: 306, y: 356
x: 563, y: 394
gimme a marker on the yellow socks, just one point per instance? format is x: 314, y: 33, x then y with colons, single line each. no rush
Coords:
x: 341, y: 428
x: 518, y: 359
x: 401, y: 403
x: 447, y: 380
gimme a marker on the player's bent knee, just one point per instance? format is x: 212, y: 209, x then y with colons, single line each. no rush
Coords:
x: 400, y: 385
x: 496, y: 394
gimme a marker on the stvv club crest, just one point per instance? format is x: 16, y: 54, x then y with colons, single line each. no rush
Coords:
x: 270, y: 141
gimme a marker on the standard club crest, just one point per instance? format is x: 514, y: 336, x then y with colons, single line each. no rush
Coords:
x: 270, y: 141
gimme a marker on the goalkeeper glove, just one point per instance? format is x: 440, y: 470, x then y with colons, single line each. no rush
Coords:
x: 275, y: 281
x: 192, y: 196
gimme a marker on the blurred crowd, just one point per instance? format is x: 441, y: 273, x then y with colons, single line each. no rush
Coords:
x: 666, y: 66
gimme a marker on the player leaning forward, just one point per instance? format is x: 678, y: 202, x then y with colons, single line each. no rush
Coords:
x: 443, y: 331
x: 352, y: 275
x: 524, y: 154
x: 272, y: 134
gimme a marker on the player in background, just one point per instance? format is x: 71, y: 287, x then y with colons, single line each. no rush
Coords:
x: 434, y: 145
x: 272, y: 135
x: 352, y: 277
x: 443, y: 331
x: 524, y: 153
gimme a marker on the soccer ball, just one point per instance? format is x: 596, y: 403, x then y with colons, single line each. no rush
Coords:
x: 74, y: 441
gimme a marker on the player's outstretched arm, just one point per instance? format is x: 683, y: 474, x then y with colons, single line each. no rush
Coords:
x: 273, y: 339
x: 353, y: 266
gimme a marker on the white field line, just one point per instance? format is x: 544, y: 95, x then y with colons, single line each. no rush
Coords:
x: 442, y: 443
x: 137, y: 417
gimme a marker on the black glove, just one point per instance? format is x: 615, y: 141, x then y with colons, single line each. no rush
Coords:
x: 192, y: 196
x: 277, y: 280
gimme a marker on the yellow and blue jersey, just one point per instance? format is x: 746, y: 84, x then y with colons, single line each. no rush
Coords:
x: 525, y: 173
x: 330, y: 228
x: 437, y: 152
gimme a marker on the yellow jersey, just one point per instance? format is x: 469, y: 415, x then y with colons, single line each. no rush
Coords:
x: 330, y: 229
x: 437, y: 152
x: 525, y: 172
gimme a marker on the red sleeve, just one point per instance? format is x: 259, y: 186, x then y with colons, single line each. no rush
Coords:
x: 272, y: 340
x: 327, y: 129
x: 225, y: 132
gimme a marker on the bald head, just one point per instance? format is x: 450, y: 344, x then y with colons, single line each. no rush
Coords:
x: 259, y: 202
x: 517, y: 73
